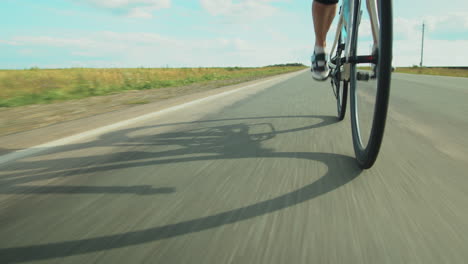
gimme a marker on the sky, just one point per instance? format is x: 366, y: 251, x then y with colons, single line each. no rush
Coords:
x: 207, y: 33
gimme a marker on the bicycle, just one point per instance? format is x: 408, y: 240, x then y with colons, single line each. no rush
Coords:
x: 369, y: 89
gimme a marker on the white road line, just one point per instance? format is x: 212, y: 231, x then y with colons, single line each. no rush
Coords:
x: 105, y: 129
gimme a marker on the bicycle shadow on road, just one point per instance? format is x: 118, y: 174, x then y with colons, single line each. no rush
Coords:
x: 211, y: 141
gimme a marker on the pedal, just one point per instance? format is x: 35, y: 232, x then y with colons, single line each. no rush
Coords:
x: 362, y: 76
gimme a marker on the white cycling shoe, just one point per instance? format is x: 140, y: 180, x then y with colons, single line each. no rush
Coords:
x: 319, y: 68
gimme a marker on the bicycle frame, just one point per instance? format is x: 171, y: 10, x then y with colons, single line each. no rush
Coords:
x: 345, y: 22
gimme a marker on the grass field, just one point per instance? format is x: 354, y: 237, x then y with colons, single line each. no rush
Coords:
x: 453, y: 72
x: 39, y: 86
x: 435, y: 71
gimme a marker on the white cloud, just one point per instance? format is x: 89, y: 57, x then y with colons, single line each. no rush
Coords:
x: 9, y: 42
x: 408, y: 52
x: 451, y: 23
x: 457, y: 21
x: 407, y: 40
x: 26, y: 52
x: 132, y: 8
x: 139, y: 13
x: 239, y: 10
x: 407, y: 28
x: 61, y: 42
x: 233, y: 45
x: 437, y: 51
x: 154, y: 50
x: 126, y: 3
x: 93, y: 40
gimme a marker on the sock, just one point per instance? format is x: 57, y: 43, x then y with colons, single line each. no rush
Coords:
x: 319, y: 50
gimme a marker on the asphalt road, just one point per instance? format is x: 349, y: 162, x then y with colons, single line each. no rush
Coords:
x: 262, y: 175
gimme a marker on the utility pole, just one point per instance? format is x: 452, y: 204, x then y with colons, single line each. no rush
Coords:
x: 422, y: 46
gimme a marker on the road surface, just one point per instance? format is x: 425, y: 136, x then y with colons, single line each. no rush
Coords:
x: 265, y: 174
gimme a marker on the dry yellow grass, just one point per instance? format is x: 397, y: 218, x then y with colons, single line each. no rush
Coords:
x: 435, y: 71
x: 21, y: 87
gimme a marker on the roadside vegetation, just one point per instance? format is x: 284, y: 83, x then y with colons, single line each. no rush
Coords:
x: 452, y: 71
x: 441, y: 71
x: 39, y: 86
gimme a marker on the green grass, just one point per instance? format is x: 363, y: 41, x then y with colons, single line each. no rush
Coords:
x: 434, y: 71
x: 37, y: 86
x: 136, y: 102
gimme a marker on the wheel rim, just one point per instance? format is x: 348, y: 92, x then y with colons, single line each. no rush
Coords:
x: 364, y: 92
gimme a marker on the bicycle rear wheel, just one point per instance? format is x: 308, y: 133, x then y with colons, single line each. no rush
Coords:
x: 370, y: 91
x: 340, y: 88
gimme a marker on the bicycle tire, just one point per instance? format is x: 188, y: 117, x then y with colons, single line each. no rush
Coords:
x: 341, y: 101
x: 367, y: 155
x: 340, y: 88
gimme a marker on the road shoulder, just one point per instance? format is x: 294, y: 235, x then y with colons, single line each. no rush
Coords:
x: 55, y: 121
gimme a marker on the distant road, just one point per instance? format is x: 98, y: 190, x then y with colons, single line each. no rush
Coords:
x: 262, y: 175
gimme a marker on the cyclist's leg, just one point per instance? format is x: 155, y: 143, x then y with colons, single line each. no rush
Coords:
x: 323, y: 12
x: 372, y: 5
x: 374, y: 28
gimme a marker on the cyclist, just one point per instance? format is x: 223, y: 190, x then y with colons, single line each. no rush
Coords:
x: 323, y: 13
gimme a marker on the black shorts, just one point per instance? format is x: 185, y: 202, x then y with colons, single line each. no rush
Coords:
x: 327, y: 2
